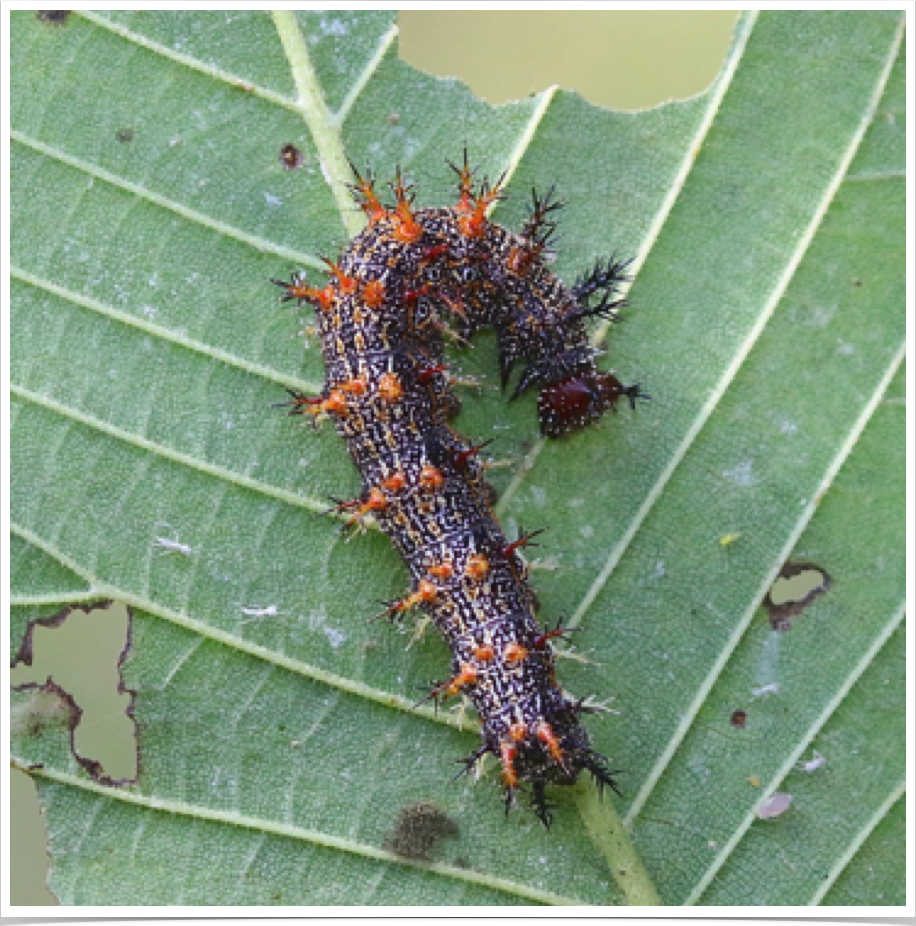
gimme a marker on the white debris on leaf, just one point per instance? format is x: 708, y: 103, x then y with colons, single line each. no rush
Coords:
x: 774, y: 806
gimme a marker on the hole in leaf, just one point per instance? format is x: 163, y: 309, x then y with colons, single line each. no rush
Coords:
x: 797, y: 585
x: 72, y: 662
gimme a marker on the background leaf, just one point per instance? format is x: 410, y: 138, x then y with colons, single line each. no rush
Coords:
x: 767, y: 219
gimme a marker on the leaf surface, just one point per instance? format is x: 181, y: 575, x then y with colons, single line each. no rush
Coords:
x: 766, y: 219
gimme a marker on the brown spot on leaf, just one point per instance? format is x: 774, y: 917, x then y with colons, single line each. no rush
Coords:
x: 291, y: 157
x: 54, y: 16
x: 43, y: 712
x: 738, y: 719
x: 419, y: 827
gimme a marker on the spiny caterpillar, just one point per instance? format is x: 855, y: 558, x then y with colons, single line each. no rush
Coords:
x: 383, y: 317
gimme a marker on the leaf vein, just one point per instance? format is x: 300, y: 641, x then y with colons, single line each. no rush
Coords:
x: 856, y: 844
x: 164, y: 202
x: 791, y: 760
x: 350, y: 686
x: 744, y: 349
x: 165, y: 334
x: 689, y: 714
x: 340, y: 117
x: 194, y: 64
x: 875, y: 175
x: 176, y: 456
x: 718, y: 91
x: 527, y: 136
x: 300, y: 833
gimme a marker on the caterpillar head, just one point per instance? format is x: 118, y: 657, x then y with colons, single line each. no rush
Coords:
x: 576, y: 401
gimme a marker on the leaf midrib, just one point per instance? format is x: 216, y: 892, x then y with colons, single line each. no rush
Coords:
x: 632, y: 880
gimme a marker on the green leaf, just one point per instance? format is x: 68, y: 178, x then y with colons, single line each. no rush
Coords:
x: 277, y: 752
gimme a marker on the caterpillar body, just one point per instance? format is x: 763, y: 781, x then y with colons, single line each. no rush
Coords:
x: 383, y: 318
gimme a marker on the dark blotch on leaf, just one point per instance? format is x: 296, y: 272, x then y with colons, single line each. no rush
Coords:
x: 291, y: 157
x: 125, y: 135
x: 53, y: 16
x: 739, y: 719
x: 419, y: 827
